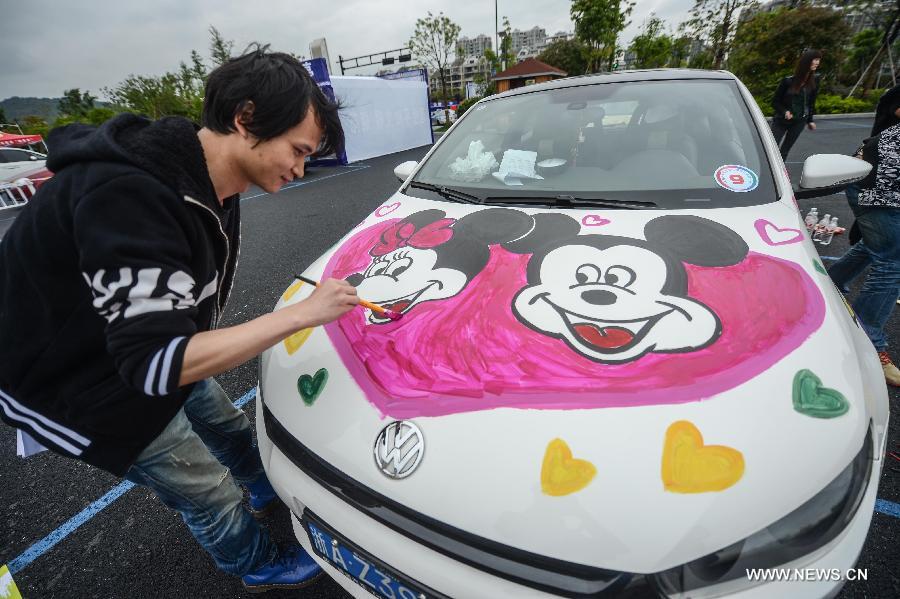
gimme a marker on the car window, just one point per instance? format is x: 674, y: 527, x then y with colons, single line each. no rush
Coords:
x: 688, y: 143
x: 13, y: 155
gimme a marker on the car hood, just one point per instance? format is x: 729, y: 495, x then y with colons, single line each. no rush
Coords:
x: 629, y: 390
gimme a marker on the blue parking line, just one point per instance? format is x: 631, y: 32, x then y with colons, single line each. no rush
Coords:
x: 47, y: 543
x: 82, y: 517
x: 887, y: 507
x: 301, y: 183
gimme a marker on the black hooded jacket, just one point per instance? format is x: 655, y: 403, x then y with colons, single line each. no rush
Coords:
x: 104, y: 276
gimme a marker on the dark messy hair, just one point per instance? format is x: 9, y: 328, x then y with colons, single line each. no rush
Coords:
x: 274, y: 91
x: 803, y: 73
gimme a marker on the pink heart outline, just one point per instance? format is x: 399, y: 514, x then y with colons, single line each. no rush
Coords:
x: 761, y: 226
x: 386, y: 209
x: 592, y: 220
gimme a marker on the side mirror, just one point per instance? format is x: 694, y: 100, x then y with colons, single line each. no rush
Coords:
x: 405, y: 169
x: 825, y: 174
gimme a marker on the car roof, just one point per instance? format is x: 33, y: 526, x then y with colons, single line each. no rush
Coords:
x: 620, y: 77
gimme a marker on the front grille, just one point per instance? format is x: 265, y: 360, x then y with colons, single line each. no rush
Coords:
x: 537, y: 571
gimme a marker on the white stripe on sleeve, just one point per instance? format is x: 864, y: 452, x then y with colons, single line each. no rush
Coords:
x: 167, y: 363
x: 151, y: 374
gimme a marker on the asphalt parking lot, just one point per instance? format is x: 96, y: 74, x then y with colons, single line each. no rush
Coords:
x: 68, y: 530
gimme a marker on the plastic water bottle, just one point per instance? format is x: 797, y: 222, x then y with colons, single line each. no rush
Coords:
x: 820, y: 228
x: 811, y: 218
x: 828, y: 235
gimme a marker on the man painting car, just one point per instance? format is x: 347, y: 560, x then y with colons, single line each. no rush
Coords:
x: 113, y: 281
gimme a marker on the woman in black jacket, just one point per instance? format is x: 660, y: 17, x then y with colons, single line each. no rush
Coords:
x: 795, y: 102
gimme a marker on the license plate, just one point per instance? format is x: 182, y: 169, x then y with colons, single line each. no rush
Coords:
x: 367, y: 571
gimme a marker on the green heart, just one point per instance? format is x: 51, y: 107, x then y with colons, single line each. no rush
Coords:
x: 812, y: 399
x: 311, y: 386
x: 819, y: 267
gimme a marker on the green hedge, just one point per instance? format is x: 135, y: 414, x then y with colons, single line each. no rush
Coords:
x: 833, y: 104
x: 830, y: 104
x: 465, y: 105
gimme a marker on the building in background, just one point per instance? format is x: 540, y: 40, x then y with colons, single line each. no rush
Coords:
x: 474, y: 46
x: 471, y: 67
x: 528, y: 72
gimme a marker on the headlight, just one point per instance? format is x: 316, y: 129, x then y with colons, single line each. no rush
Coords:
x: 807, y: 528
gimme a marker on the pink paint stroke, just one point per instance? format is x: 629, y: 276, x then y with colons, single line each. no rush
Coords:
x: 469, y: 353
x: 592, y: 220
x: 386, y: 209
x: 762, y: 227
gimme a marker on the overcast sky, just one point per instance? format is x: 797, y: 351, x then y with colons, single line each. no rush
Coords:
x: 47, y: 47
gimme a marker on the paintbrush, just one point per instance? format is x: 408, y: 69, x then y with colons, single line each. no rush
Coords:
x: 391, y: 314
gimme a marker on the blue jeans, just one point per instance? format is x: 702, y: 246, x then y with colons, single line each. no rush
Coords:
x: 193, y: 465
x: 880, y: 249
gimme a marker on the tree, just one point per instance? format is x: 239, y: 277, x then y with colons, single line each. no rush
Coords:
x: 219, y: 49
x: 179, y: 93
x: 889, y: 21
x: 501, y: 59
x: 652, y: 48
x: 767, y: 46
x: 681, y: 51
x: 76, y: 104
x: 863, y: 49
x: 2, y: 116
x: 434, y: 42
x: 714, y: 21
x: 568, y: 55
x: 506, y: 56
x: 598, y: 24
x: 34, y: 125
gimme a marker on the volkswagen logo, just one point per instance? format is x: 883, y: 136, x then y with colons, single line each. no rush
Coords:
x: 399, y: 448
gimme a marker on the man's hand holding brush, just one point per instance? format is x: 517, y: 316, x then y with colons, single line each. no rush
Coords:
x: 211, y: 352
x: 330, y: 299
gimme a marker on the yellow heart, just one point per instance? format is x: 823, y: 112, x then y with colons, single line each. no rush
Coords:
x: 293, y: 343
x: 290, y: 291
x: 562, y: 474
x: 689, y: 466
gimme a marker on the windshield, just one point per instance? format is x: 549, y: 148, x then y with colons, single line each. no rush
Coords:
x: 675, y: 144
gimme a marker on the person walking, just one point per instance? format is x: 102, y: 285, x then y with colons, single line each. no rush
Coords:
x: 876, y: 206
x: 113, y: 280
x: 794, y: 102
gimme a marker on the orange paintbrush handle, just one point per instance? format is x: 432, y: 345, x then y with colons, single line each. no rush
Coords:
x: 371, y: 306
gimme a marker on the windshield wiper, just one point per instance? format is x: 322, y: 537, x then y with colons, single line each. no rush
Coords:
x: 567, y: 201
x: 448, y: 192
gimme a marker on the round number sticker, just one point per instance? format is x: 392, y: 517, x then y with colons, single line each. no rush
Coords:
x: 736, y: 178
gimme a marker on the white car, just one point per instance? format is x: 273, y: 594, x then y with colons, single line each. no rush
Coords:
x: 17, y: 162
x: 621, y: 367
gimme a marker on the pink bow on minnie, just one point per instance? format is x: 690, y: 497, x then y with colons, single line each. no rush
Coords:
x: 404, y: 234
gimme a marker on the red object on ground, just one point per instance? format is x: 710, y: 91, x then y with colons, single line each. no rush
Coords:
x: 10, y: 140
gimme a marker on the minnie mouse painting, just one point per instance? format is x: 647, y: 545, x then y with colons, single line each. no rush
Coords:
x: 427, y: 256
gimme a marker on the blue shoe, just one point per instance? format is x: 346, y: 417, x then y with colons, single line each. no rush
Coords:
x: 263, y: 498
x: 292, y: 569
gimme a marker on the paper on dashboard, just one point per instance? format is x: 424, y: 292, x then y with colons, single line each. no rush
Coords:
x: 515, y: 166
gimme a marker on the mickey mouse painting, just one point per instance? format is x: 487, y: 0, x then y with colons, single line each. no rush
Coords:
x: 426, y: 256
x: 614, y: 299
